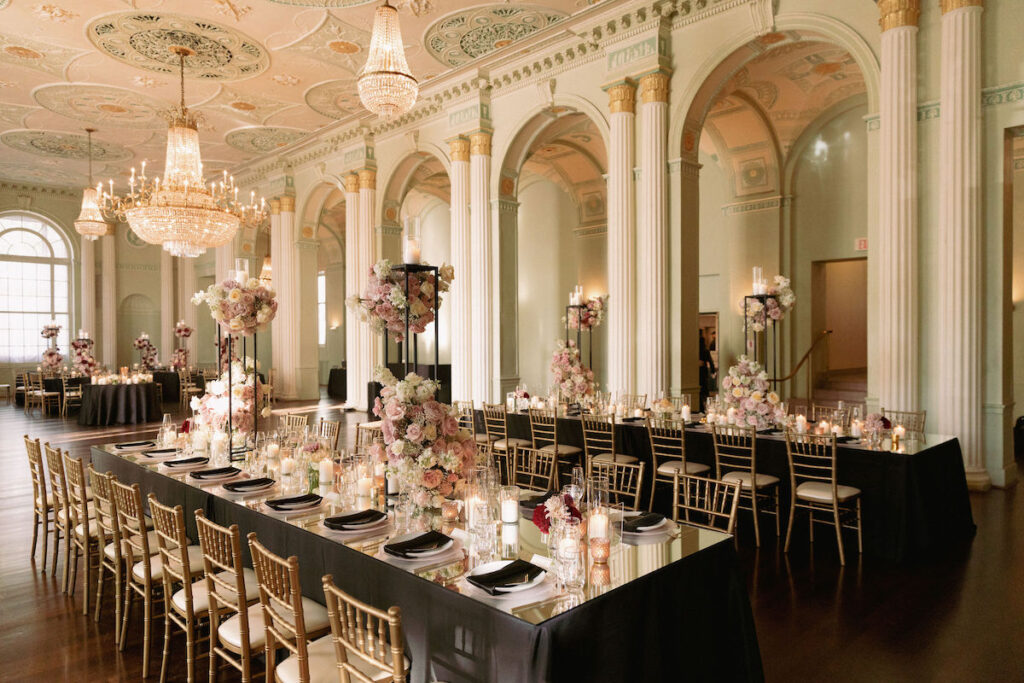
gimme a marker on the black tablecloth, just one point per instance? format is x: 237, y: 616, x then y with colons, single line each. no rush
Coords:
x: 52, y: 384
x: 336, y: 384
x: 912, y: 503
x: 170, y: 383
x: 689, y: 620
x: 116, y: 404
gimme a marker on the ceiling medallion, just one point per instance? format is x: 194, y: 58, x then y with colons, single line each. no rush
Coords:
x: 90, y: 223
x: 262, y: 139
x: 386, y: 85
x: 48, y: 143
x: 101, y: 104
x: 465, y: 35
x: 334, y: 99
x: 178, y: 211
x: 144, y: 39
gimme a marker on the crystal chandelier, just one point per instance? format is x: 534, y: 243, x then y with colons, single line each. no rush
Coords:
x: 90, y: 223
x: 386, y: 86
x: 179, y: 211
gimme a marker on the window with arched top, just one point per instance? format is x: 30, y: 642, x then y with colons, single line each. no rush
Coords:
x: 35, y: 286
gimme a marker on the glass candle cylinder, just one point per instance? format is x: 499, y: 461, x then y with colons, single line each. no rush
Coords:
x: 509, y: 502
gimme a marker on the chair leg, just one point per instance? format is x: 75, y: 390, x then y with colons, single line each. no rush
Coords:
x: 46, y: 532
x: 789, y: 525
x: 190, y: 651
x: 35, y: 534
x: 167, y: 641
x: 757, y: 523
x: 810, y: 523
x: 70, y: 569
x: 86, y: 573
x: 839, y: 533
x: 860, y: 540
x: 147, y: 631
x: 125, y: 613
x: 56, y: 548
x: 99, y: 592
x: 777, y: 530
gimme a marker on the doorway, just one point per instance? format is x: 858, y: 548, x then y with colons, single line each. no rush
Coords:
x: 839, y: 303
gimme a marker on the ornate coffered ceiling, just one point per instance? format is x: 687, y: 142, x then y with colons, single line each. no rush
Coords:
x: 265, y: 72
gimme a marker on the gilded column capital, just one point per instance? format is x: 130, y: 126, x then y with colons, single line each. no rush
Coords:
x: 287, y: 204
x: 275, y: 206
x: 352, y: 183
x: 480, y: 143
x: 897, y: 13
x: 622, y: 98
x: 367, y: 179
x: 950, y: 5
x: 459, y: 149
x: 654, y: 87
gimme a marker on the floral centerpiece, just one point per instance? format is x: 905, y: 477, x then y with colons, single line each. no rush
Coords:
x: 147, y: 352
x: 51, y: 360
x: 179, y: 359
x: 181, y: 330
x: 590, y: 316
x: 571, y: 379
x: 747, y: 391
x: 50, y: 331
x: 212, y: 407
x: 779, y: 302
x: 556, y: 508
x: 384, y: 302
x: 424, y: 447
x: 239, y: 307
x: 81, y: 354
x: 876, y: 423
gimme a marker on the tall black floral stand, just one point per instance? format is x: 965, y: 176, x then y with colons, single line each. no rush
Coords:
x: 762, y: 346
x: 228, y: 340
x: 580, y: 308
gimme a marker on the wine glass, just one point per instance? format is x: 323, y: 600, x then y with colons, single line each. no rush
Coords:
x: 576, y: 486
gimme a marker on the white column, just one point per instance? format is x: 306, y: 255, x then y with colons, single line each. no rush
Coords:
x: 959, y: 273
x: 284, y: 276
x: 88, y: 288
x: 166, y: 305
x: 367, y: 343
x: 482, y: 352
x: 278, y: 326
x: 652, y: 238
x: 897, y: 244
x: 459, y: 298
x: 109, y: 295
x: 187, y: 286
x: 224, y: 261
x: 354, y: 385
x: 621, y: 240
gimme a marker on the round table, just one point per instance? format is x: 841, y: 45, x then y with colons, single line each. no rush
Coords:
x: 117, y: 404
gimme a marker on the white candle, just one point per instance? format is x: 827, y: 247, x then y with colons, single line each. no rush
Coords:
x: 638, y: 412
x: 568, y: 546
x: 509, y: 511
x: 411, y: 253
x: 730, y: 415
x: 392, y: 485
x: 273, y: 450
x: 855, y: 429
x: 326, y: 472
x: 686, y: 413
x: 597, y: 527
x: 378, y: 469
x: 364, y: 486
x: 801, y: 424
x: 509, y: 534
x: 837, y: 430
x: 471, y: 504
x: 899, y: 431
x: 823, y: 427
x: 287, y: 465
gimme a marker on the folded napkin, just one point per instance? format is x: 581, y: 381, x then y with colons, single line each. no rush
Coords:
x: 248, y: 484
x: 134, y: 444
x: 847, y: 439
x: 635, y: 525
x: 215, y: 473
x: 770, y: 430
x: 157, y: 452
x: 513, y: 574
x: 528, y: 505
x: 198, y: 460
x: 354, y: 521
x: 411, y: 549
x: 306, y: 500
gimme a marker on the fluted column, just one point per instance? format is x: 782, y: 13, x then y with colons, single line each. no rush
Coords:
x: 959, y: 275
x: 285, y: 284
x: 88, y: 287
x: 461, y: 249
x: 897, y: 243
x: 355, y: 385
x: 482, y: 352
x: 621, y: 239
x: 277, y: 327
x: 166, y: 305
x: 108, y: 245
x: 367, y: 222
x: 223, y: 261
x: 652, y: 238
x: 187, y: 286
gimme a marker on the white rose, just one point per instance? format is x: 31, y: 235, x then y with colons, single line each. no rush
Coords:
x: 397, y: 446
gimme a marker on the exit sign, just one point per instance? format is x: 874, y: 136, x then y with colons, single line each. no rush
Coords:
x: 861, y: 244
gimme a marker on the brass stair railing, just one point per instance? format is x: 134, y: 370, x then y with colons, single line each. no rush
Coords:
x: 822, y: 336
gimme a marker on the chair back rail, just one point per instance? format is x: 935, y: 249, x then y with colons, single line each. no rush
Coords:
x: 598, y: 436
x: 362, y: 631
x: 543, y: 428
x: 495, y: 420
x: 625, y: 481
x: 533, y: 469
x: 812, y: 458
x: 735, y: 449
x: 707, y: 503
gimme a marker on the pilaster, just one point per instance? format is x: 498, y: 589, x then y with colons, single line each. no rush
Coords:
x: 459, y: 296
x: 481, y: 275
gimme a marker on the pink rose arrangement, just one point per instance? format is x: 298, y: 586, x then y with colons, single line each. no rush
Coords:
x: 179, y: 359
x: 239, y: 307
x: 876, y: 423
x: 423, y: 445
x: 779, y: 302
x: 181, y: 330
x: 384, y: 302
x: 572, y: 380
x: 747, y: 390
x: 50, y: 331
x: 147, y: 351
x: 212, y: 407
x: 81, y: 355
x: 51, y: 360
x: 591, y: 316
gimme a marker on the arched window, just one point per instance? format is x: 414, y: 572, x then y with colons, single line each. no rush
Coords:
x: 35, y: 286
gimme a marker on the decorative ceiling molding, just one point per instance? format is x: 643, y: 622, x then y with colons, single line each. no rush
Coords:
x: 143, y: 39
x: 34, y: 54
x: 336, y: 99
x: 29, y: 173
x: 49, y: 191
x: 103, y: 105
x: 255, y: 108
x: 50, y: 143
x: 263, y: 140
x: 463, y: 36
x: 14, y: 114
x: 335, y: 43
x: 323, y: 3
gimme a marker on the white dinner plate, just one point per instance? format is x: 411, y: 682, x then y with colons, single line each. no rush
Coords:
x: 135, y: 449
x: 359, y: 529
x: 499, y: 564
x: 418, y: 556
x: 159, y: 457
x: 657, y: 528
x: 205, y: 481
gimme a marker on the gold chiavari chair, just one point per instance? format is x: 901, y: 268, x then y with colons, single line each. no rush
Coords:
x: 707, y: 503
x: 367, y: 641
x: 599, y: 440
x: 736, y: 460
x: 812, y: 475
x: 668, y: 453
x: 679, y: 401
x: 467, y: 421
x: 633, y: 402
x: 502, y: 462
x: 233, y: 592
x: 832, y: 414
x: 187, y: 387
x: 61, y: 510
x: 286, y: 622
x: 496, y: 424
x: 33, y: 397
x: 72, y: 396
x: 111, y: 558
x: 544, y: 429
x: 47, y: 399
x: 329, y: 429
x: 87, y: 536
x: 911, y: 420
x: 533, y: 469
x: 42, y: 505
x: 625, y: 481
x: 21, y: 386
x: 367, y: 433
x: 210, y: 374
x: 292, y: 421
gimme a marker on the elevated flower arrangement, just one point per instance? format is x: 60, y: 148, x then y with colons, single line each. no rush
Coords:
x: 384, y: 302
x: 52, y: 360
x: 50, y: 331
x: 571, y: 379
x: 234, y: 394
x: 747, y: 391
x: 772, y: 307
x: 592, y: 314
x: 179, y: 359
x: 239, y: 307
x: 81, y: 355
x: 147, y: 352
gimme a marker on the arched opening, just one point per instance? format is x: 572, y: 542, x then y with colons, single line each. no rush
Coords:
x: 777, y: 131
x: 330, y: 284
x: 552, y: 227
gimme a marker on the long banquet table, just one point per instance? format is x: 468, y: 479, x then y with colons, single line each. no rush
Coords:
x: 914, y: 501
x: 677, y: 608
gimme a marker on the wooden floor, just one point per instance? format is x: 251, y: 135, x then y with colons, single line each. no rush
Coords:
x: 959, y: 617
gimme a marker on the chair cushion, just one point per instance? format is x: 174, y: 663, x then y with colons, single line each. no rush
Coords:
x: 763, y: 480
x: 505, y: 444
x: 200, y: 598
x: 108, y: 550
x: 156, y: 562
x: 483, y: 438
x: 323, y: 665
x: 376, y: 424
x: 618, y: 457
x: 95, y: 530
x: 230, y: 631
x: 820, y: 492
x: 563, y: 449
x: 676, y: 466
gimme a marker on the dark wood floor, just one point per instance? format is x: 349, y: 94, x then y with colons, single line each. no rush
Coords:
x: 959, y: 617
